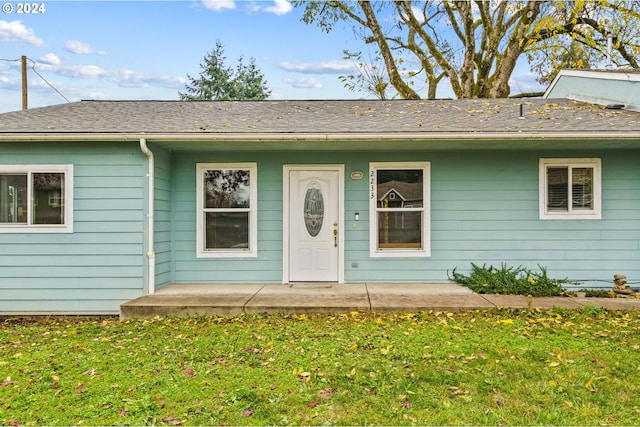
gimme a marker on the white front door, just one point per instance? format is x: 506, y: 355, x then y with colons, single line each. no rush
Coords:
x: 315, y: 235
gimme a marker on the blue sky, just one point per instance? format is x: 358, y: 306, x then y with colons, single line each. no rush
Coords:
x: 145, y: 49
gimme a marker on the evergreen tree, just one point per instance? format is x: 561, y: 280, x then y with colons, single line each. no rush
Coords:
x: 217, y: 81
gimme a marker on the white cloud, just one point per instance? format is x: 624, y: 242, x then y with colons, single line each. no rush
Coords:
x: 123, y: 78
x: 304, y: 83
x: 253, y: 7
x: 330, y: 67
x: 93, y: 95
x: 418, y: 12
x: 77, y: 82
x: 280, y: 7
x: 134, y: 79
x: 524, y: 81
x: 80, y: 48
x: 219, y: 4
x: 77, y: 71
x: 11, y: 31
x: 50, y: 58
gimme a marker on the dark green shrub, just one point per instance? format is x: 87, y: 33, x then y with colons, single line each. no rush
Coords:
x: 510, y: 280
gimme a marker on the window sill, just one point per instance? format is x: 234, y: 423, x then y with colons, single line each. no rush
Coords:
x: 226, y: 254
x: 33, y: 229
x: 408, y: 253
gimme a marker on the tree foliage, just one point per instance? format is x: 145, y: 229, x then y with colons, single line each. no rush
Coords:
x: 226, y: 188
x: 217, y: 81
x: 475, y: 45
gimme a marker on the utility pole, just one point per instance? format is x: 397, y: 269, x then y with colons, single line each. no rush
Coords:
x: 25, y: 96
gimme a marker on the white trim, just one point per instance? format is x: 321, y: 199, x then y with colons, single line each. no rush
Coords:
x: 294, y: 138
x: 151, y: 254
x: 67, y: 227
x: 425, y: 251
x: 286, y: 169
x: 252, y: 250
x: 595, y: 213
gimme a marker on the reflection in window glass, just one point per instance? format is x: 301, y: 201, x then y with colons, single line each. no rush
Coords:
x: 399, y: 188
x: 558, y: 188
x: 582, y: 188
x: 48, y: 194
x: 32, y: 198
x: 227, y: 230
x: 564, y: 184
x: 227, y: 209
x: 400, y: 230
x: 13, y: 199
x: 226, y: 188
x: 400, y: 206
x: 570, y: 188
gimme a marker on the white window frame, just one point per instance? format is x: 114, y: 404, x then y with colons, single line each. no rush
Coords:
x: 252, y: 250
x: 29, y: 227
x: 425, y: 251
x: 595, y: 213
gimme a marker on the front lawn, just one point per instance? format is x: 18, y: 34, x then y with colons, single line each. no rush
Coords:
x: 556, y: 367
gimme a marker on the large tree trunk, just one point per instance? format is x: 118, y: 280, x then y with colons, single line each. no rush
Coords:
x: 404, y: 90
x: 500, y: 83
x: 475, y: 44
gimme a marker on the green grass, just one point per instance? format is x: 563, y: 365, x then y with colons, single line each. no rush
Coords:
x: 557, y: 367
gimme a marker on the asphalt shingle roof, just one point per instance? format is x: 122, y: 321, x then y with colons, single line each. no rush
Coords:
x: 322, y: 117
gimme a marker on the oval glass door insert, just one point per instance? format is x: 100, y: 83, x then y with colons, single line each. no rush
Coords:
x: 313, y: 209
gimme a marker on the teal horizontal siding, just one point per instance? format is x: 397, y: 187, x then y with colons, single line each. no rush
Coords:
x: 93, y: 215
x: 616, y: 91
x: 267, y: 266
x: 24, y: 251
x: 483, y: 210
x: 71, y: 284
x: 96, y: 239
x: 60, y: 306
x: 113, y: 193
x: 48, y: 274
x: 108, y: 226
x: 87, y: 294
x: 101, y: 264
x: 78, y: 260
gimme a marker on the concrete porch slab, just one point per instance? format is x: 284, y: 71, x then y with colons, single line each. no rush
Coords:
x: 234, y: 299
x: 309, y: 298
x: 385, y: 297
x: 416, y: 303
x: 418, y: 289
x: 182, y: 305
x: 191, y: 300
x: 210, y: 289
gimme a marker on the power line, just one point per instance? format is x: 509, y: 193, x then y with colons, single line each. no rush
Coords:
x: 33, y: 67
